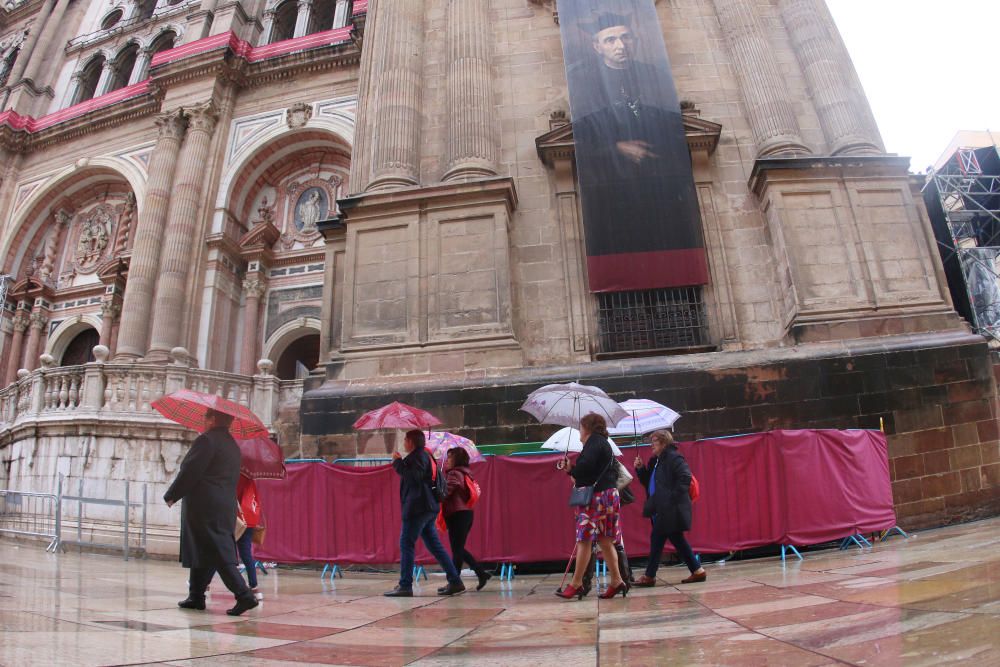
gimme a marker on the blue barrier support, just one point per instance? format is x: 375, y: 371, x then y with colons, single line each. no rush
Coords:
x: 793, y: 550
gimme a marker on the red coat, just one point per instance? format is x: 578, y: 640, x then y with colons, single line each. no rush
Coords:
x: 458, y: 492
x: 246, y: 493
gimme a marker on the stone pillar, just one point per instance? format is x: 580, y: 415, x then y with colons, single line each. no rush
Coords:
x: 107, y: 76
x: 16, y: 344
x: 182, y: 232
x: 341, y: 14
x: 36, y: 324
x: 769, y: 111
x: 109, y: 313
x: 140, y: 70
x: 303, y: 17
x: 472, y: 137
x: 254, y: 288
x: 843, y: 113
x: 399, y: 44
x: 52, y: 246
x: 145, y: 264
x: 28, y: 48
x: 72, y: 90
x: 40, y: 62
x: 267, y: 28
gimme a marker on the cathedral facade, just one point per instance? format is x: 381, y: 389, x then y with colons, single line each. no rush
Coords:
x: 318, y: 206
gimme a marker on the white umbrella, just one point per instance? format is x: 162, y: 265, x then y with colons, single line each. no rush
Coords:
x: 568, y: 440
x: 644, y: 416
x: 566, y: 404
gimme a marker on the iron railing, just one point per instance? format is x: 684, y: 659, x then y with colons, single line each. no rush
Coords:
x: 651, y: 320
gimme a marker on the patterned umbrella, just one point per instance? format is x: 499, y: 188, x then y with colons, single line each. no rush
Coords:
x: 396, y: 415
x: 439, y: 442
x: 190, y: 408
x: 644, y: 416
x: 261, y: 458
x: 566, y: 404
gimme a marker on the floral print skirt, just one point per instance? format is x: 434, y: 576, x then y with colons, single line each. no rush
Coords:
x: 602, y: 518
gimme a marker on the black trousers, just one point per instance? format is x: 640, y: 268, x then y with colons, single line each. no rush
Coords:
x: 658, y: 539
x: 230, y: 575
x: 459, y: 524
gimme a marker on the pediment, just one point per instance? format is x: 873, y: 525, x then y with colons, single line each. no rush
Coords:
x: 558, y: 143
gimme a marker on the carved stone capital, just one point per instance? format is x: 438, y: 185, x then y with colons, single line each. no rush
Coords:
x: 110, y: 310
x: 203, y: 117
x: 254, y: 287
x: 20, y: 322
x: 171, y: 125
x: 38, y: 320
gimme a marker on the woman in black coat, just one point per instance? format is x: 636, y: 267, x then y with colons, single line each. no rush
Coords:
x: 667, y: 479
x: 601, y: 520
x: 206, y: 485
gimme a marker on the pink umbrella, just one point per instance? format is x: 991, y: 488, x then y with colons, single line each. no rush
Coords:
x: 396, y: 415
x: 261, y: 459
x: 439, y: 442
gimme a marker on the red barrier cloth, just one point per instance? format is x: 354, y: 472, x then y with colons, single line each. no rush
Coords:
x: 791, y: 487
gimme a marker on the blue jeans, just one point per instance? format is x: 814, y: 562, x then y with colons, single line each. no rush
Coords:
x: 422, y: 526
x: 245, y: 546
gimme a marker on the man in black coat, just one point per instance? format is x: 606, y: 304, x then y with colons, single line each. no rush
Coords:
x: 667, y: 479
x: 206, y: 483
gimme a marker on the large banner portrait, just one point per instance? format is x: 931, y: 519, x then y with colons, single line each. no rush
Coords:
x: 640, y: 206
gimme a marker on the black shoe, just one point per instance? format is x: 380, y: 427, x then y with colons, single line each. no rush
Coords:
x: 483, y: 578
x: 192, y: 603
x: 399, y: 592
x: 452, y: 589
x: 243, y: 604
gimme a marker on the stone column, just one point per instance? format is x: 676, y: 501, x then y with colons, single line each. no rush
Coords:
x: 17, y: 342
x: 254, y: 288
x: 145, y: 264
x: 52, y: 247
x: 843, y: 113
x: 341, y: 14
x: 472, y: 137
x: 182, y: 233
x: 268, y: 26
x: 40, y: 61
x: 28, y: 48
x: 303, y: 17
x: 769, y: 111
x: 399, y: 44
x: 140, y: 70
x: 109, y: 313
x: 72, y: 90
x: 107, y: 76
x: 36, y: 323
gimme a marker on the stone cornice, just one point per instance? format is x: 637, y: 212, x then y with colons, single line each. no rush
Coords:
x: 864, y: 166
x: 499, y: 189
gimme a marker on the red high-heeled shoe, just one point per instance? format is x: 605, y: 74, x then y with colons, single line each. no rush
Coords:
x: 612, y: 591
x: 568, y: 592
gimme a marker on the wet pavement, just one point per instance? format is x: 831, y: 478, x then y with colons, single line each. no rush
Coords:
x: 931, y: 600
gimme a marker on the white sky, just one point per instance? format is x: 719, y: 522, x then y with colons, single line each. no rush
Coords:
x: 928, y: 67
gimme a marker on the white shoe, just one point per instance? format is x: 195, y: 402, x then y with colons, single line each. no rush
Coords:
x: 257, y: 595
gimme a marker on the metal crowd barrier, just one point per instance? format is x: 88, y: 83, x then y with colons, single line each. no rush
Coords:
x: 45, y: 515
x: 28, y: 514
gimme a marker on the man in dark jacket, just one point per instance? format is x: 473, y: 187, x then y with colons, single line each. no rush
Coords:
x: 419, y: 509
x: 667, y: 479
x: 206, y: 484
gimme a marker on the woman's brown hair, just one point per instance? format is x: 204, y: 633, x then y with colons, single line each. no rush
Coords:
x: 595, y: 424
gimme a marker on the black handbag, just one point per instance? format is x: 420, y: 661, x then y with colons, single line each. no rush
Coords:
x: 626, y: 495
x: 581, y: 496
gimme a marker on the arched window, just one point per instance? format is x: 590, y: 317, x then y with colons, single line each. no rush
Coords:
x: 301, y: 356
x: 124, y: 64
x: 89, y: 79
x: 81, y: 349
x: 284, y: 21
x: 146, y: 9
x: 163, y: 42
x: 112, y: 19
x: 322, y: 15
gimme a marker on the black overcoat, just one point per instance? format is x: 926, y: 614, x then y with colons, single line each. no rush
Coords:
x: 415, y: 495
x: 206, y: 485
x: 670, y: 505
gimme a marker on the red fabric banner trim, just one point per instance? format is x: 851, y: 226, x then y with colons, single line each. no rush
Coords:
x: 782, y: 487
x: 647, y: 270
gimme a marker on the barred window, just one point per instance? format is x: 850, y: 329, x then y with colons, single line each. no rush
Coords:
x: 651, y: 320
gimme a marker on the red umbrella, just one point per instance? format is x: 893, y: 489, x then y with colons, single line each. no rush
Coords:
x: 396, y: 415
x: 189, y: 408
x: 262, y: 458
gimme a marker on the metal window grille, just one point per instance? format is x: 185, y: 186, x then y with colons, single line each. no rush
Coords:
x: 651, y: 320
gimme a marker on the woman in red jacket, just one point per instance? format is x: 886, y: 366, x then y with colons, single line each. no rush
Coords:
x: 457, y: 511
x: 246, y: 495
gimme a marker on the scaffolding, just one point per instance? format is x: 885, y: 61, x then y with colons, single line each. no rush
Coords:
x: 963, y: 200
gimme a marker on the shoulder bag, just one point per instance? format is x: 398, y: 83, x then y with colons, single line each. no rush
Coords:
x: 581, y: 496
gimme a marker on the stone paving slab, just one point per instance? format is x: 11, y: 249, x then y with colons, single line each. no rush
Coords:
x: 930, y: 600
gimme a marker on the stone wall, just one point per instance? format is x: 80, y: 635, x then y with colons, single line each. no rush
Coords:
x: 935, y: 394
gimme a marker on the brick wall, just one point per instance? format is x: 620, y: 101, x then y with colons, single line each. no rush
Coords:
x: 936, y: 396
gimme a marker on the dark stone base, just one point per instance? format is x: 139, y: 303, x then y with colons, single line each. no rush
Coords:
x: 935, y: 394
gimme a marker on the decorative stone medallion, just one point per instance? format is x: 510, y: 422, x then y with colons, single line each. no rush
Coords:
x: 93, y: 236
